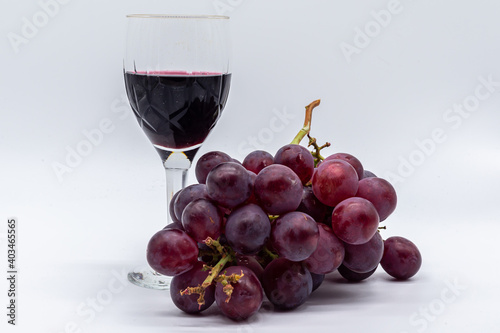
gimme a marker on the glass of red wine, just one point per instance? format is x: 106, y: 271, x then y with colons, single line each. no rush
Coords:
x: 177, y: 77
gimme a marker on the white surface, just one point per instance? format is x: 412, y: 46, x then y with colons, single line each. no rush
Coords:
x: 78, y: 232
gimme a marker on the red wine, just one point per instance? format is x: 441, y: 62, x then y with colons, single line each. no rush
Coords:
x: 177, y: 110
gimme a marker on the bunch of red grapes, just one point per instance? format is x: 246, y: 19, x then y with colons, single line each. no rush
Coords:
x: 275, y: 226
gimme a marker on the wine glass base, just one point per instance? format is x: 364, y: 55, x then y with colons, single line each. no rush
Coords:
x: 147, y: 278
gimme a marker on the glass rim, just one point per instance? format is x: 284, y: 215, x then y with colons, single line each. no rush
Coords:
x: 175, y: 16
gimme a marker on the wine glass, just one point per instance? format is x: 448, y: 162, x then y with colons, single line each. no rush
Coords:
x: 177, y: 76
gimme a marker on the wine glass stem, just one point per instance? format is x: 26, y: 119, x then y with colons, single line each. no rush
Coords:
x: 176, y: 169
x: 176, y: 181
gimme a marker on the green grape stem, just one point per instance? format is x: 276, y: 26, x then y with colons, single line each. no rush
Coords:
x: 227, y: 256
x: 214, y: 244
x: 316, y: 153
x: 273, y: 218
x: 307, y: 123
x: 226, y: 281
x: 214, y: 272
x: 270, y: 253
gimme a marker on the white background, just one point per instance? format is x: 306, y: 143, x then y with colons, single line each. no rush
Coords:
x: 79, y: 230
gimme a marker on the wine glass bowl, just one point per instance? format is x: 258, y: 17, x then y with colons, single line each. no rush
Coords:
x: 177, y: 110
x: 177, y: 77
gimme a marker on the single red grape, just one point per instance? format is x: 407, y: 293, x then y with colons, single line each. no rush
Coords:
x: 287, y: 284
x: 380, y: 193
x: 278, y: 189
x: 312, y: 206
x: 355, y: 220
x: 171, y: 208
x: 401, y: 258
x: 229, y: 184
x: 246, y: 297
x: 172, y: 252
x: 295, y: 236
x: 353, y: 276
x: 368, y: 174
x: 349, y: 159
x: 329, y: 254
x: 187, y: 195
x: 207, y: 162
x: 202, y: 219
x: 365, y: 257
x: 174, y: 225
x: 257, y: 160
x: 247, y: 229
x: 250, y: 262
x: 334, y: 181
x: 297, y: 158
x: 252, y: 198
x: 317, y: 280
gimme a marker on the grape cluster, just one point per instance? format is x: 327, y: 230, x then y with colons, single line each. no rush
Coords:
x: 274, y: 226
